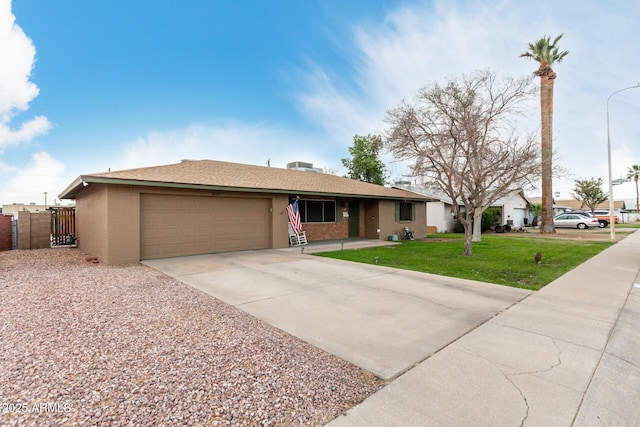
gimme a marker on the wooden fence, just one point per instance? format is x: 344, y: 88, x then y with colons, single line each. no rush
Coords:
x: 63, y: 226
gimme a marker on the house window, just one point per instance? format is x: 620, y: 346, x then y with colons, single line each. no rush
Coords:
x: 317, y: 210
x: 405, y: 211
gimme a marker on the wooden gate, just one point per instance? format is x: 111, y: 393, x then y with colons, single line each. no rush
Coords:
x: 63, y: 226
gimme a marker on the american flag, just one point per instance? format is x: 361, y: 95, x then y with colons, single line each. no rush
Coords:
x: 294, y: 216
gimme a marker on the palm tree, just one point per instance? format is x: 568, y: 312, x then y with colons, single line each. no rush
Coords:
x: 546, y: 53
x: 633, y: 172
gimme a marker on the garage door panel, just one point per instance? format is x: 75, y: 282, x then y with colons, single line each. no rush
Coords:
x: 518, y: 217
x: 189, y: 225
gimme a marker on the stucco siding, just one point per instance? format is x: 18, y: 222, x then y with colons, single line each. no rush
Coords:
x: 389, y: 225
x: 92, y: 221
x: 279, y: 220
x: 439, y: 216
x: 109, y: 219
x: 123, y: 224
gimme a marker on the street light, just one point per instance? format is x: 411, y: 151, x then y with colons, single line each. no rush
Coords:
x: 611, y: 221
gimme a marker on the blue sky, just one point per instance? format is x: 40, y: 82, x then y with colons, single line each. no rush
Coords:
x: 87, y: 86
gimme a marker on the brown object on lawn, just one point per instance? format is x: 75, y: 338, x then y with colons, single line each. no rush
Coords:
x: 538, y: 258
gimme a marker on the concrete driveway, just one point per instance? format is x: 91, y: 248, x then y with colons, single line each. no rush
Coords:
x: 380, y: 319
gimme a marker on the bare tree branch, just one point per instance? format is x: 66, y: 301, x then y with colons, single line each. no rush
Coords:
x: 461, y: 138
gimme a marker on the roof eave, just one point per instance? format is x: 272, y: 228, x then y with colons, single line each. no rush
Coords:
x: 71, y: 191
x: 423, y: 195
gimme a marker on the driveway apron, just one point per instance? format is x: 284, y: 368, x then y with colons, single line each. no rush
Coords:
x: 380, y: 319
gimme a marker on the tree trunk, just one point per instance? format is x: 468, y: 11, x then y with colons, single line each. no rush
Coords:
x: 468, y: 233
x: 547, y: 77
x: 467, y: 241
x: 477, y: 226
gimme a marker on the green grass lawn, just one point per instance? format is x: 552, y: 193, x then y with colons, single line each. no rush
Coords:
x: 496, y: 259
x: 629, y: 225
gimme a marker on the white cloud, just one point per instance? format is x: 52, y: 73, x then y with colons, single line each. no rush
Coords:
x: 231, y: 141
x: 421, y: 43
x: 339, y: 112
x: 28, y: 184
x: 16, y: 90
x: 27, y: 131
x: 414, y: 46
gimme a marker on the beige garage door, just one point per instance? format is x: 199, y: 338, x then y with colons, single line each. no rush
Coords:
x: 188, y: 225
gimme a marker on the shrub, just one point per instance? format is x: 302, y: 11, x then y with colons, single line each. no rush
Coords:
x: 490, y: 217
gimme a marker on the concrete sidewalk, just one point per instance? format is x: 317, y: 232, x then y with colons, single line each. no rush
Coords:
x: 566, y: 355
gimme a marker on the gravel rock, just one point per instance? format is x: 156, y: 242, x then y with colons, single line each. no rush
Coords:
x: 86, y: 344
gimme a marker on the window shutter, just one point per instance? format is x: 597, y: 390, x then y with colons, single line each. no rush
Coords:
x: 413, y: 211
x: 397, y: 211
x: 338, y: 211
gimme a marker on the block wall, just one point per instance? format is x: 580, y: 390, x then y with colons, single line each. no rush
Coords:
x: 34, y: 230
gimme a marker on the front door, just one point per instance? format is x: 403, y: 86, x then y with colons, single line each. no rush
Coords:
x: 354, y: 219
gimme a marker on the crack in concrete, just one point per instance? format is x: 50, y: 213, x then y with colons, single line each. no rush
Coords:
x: 410, y: 295
x: 551, y: 337
x: 557, y: 363
x: 499, y: 367
x: 552, y: 367
x: 524, y: 398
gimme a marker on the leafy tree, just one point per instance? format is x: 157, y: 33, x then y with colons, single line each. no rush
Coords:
x: 633, y: 172
x: 490, y: 217
x: 546, y: 53
x: 462, y: 141
x: 365, y: 164
x: 589, y: 192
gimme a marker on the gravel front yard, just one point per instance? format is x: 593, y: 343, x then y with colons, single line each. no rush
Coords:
x: 88, y: 344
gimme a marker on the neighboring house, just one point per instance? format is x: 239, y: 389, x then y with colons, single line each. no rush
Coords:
x: 14, y: 208
x: 573, y: 205
x: 630, y: 205
x: 558, y: 206
x: 441, y: 213
x: 207, y: 206
x: 515, y: 209
x: 630, y: 213
x: 441, y: 216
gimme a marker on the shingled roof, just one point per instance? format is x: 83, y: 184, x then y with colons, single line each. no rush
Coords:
x: 226, y: 176
x: 577, y: 204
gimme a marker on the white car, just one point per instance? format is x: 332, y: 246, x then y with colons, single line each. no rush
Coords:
x: 574, y: 220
